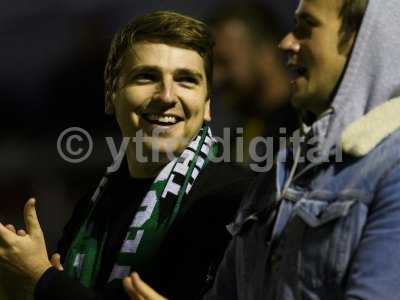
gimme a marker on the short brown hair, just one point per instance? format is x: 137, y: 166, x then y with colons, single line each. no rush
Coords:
x: 352, y: 13
x: 162, y: 27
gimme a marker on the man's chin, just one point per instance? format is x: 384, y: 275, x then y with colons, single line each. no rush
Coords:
x: 298, y: 101
x: 162, y: 150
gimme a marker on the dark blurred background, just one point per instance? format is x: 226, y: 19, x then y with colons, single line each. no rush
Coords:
x: 52, y: 59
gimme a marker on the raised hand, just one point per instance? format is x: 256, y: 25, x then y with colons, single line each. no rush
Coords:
x: 23, y: 253
x: 137, y: 289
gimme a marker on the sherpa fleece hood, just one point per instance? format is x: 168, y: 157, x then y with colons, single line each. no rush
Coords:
x: 371, y: 78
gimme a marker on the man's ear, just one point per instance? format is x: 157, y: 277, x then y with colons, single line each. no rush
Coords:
x: 207, y: 111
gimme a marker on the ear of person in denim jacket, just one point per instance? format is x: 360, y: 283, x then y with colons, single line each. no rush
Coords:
x: 330, y: 228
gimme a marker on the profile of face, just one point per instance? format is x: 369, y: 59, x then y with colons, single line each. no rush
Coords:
x: 316, y: 58
x: 162, y: 91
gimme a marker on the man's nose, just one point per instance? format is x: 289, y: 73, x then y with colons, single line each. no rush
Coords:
x: 289, y: 43
x: 166, y: 91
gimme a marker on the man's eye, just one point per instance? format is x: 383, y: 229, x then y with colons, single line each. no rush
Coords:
x: 188, y: 79
x: 305, y: 23
x: 310, y: 23
x: 144, y: 78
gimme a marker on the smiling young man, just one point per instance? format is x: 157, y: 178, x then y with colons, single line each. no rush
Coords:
x: 163, y: 211
x: 329, y: 228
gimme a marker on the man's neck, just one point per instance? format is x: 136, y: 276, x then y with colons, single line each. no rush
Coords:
x: 138, y: 169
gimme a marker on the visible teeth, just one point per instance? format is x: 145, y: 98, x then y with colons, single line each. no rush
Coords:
x: 162, y: 119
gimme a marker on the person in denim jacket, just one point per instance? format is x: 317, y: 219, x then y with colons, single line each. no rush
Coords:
x: 325, y: 223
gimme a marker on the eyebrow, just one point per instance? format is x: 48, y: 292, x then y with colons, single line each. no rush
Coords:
x: 143, y: 68
x: 153, y: 69
x: 190, y: 72
x: 306, y: 15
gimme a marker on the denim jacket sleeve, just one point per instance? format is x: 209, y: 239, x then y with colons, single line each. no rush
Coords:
x: 231, y: 282
x: 225, y: 282
x: 375, y: 269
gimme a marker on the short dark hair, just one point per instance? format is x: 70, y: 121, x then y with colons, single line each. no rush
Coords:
x: 165, y: 27
x: 351, y: 13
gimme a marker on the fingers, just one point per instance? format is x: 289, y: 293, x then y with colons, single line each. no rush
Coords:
x: 143, y: 289
x: 127, y: 283
x: 11, y: 228
x: 6, y: 235
x: 31, y: 219
x: 20, y: 232
x: 56, y: 262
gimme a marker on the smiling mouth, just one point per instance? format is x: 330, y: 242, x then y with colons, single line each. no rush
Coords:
x: 161, y: 119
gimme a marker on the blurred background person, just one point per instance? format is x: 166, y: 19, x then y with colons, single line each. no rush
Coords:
x: 250, y: 80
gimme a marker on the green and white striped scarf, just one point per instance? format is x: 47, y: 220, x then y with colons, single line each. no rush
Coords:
x: 159, y: 209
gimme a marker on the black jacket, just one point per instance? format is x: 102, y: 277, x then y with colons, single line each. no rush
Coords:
x: 190, y: 254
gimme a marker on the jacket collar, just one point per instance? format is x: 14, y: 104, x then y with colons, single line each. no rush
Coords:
x: 363, y: 135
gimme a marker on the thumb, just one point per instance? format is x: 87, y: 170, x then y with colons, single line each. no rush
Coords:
x: 56, y: 262
x: 30, y: 217
x: 143, y: 289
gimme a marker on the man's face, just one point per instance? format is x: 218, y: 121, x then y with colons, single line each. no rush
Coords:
x: 162, y: 90
x: 314, y: 55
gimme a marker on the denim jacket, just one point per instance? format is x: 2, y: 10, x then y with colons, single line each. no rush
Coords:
x: 334, y: 234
